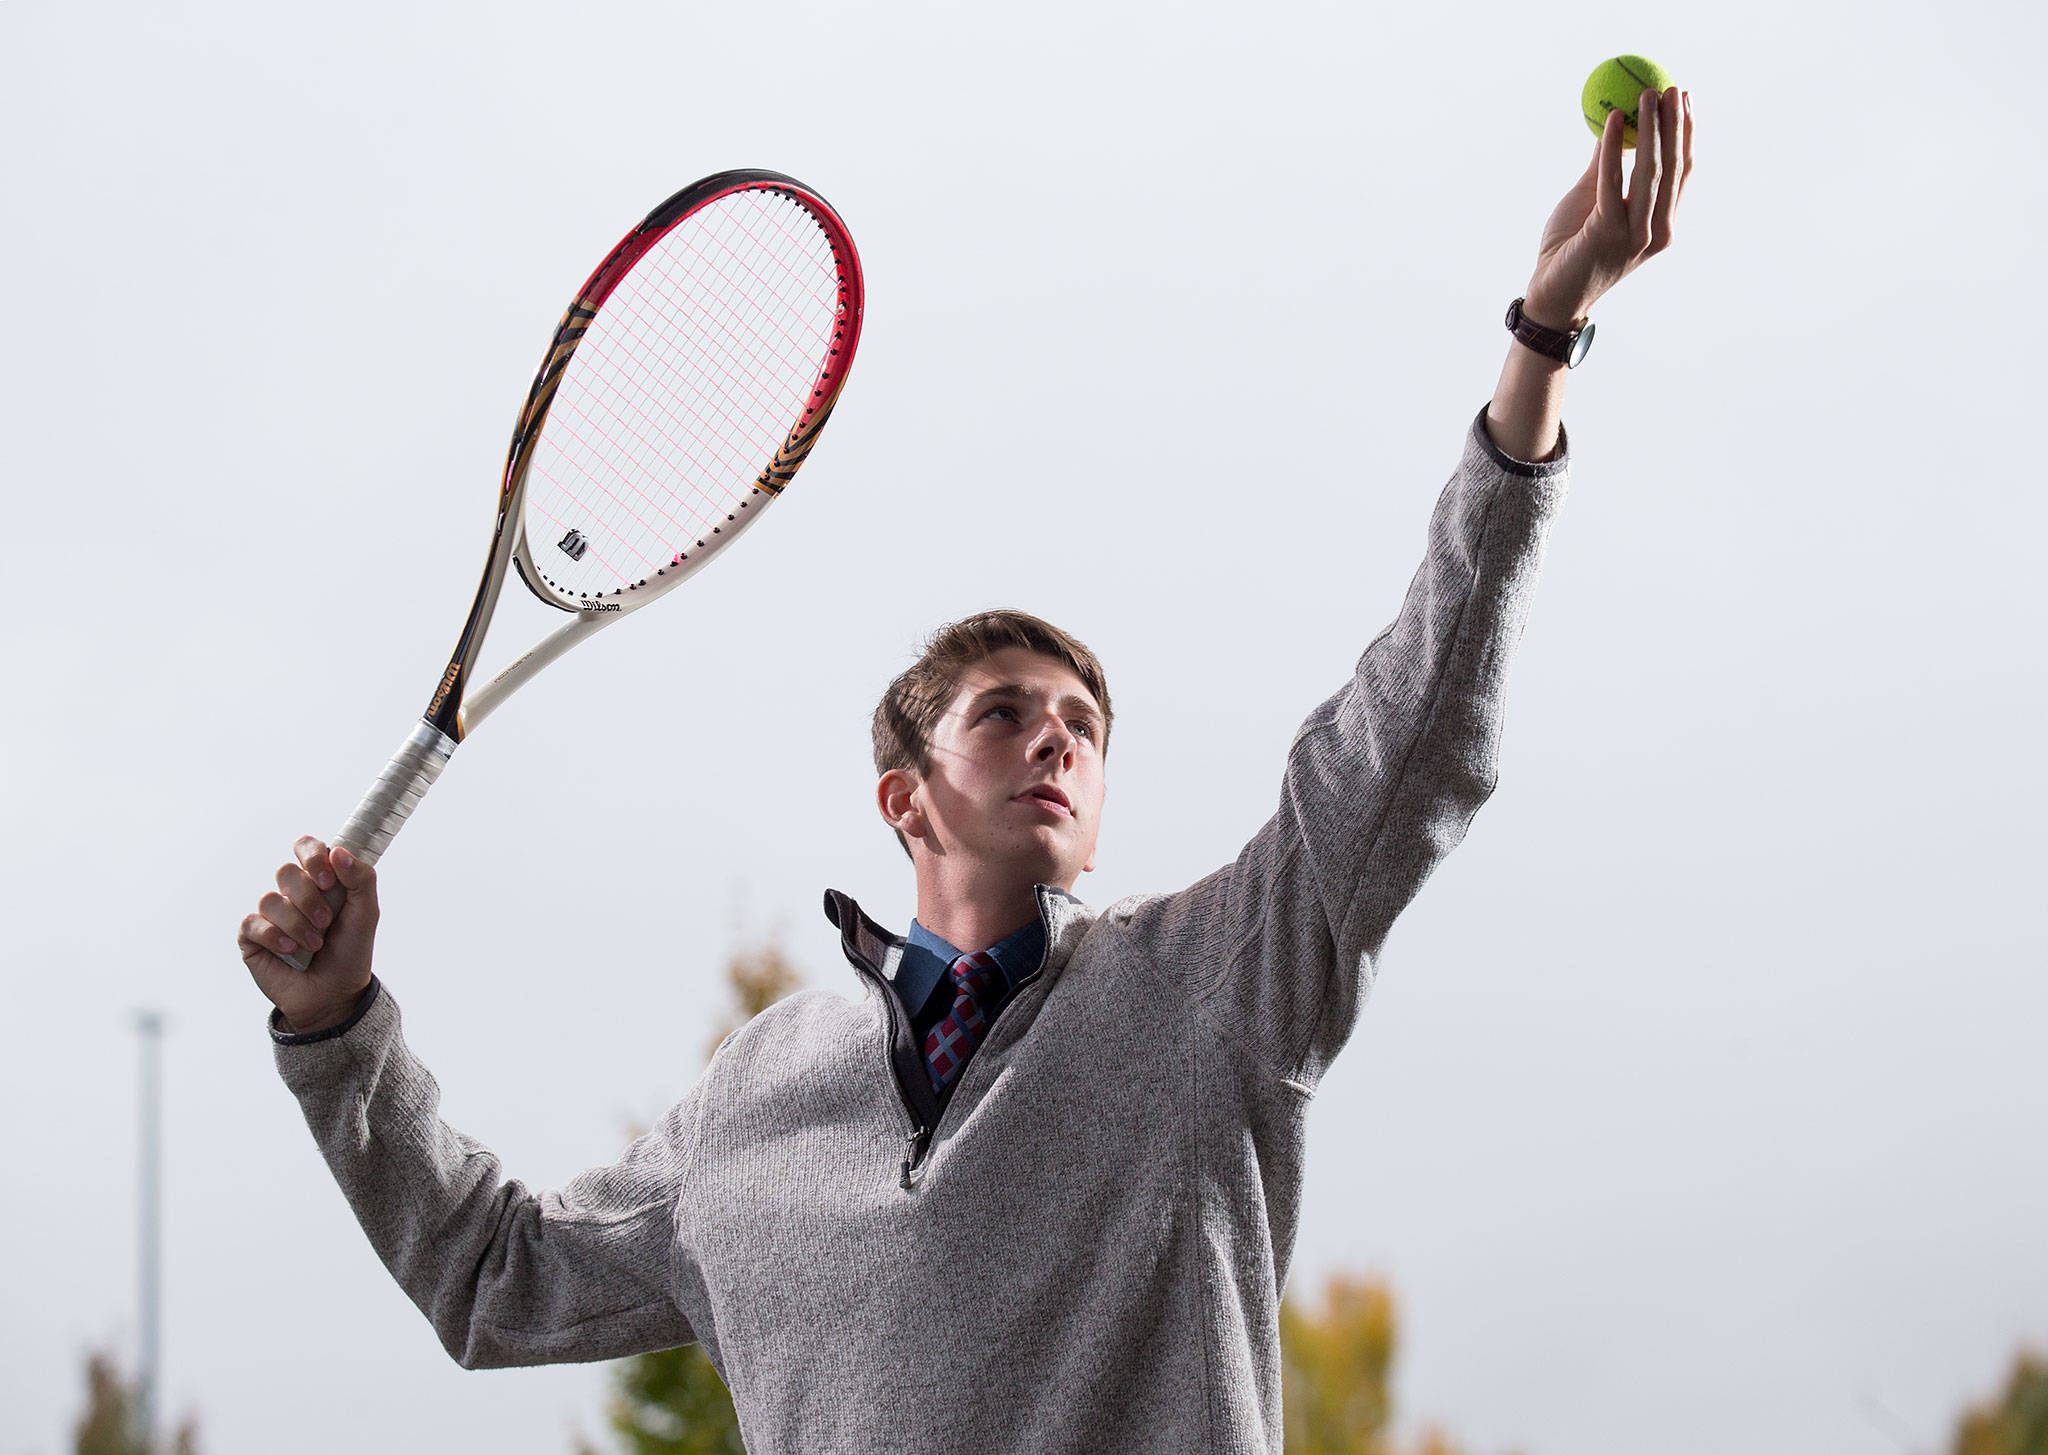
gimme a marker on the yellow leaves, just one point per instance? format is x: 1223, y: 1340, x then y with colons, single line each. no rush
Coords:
x: 1336, y: 1366
x: 1335, y: 1361
x: 757, y: 977
x: 2015, y: 1423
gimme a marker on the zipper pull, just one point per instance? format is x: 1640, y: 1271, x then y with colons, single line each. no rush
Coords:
x: 915, y: 1140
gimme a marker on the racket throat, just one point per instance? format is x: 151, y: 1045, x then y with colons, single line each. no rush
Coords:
x: 444, y: 709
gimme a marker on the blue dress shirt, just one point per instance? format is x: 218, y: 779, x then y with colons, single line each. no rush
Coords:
x: 925, y: 983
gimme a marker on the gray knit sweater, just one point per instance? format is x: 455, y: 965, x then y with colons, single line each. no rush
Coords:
x: 1086, y: 1251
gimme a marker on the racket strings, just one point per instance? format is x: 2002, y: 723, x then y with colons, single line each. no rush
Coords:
x: 798, y: 348
x: 622, y: 446
x: 691, y: 377
x: 729, y: 372
x: 720, y: 390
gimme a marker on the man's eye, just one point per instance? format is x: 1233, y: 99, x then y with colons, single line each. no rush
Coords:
x: 994, y: 710
x: 1082, y: 726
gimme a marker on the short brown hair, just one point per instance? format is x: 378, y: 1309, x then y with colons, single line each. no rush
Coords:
x: 917, y: 699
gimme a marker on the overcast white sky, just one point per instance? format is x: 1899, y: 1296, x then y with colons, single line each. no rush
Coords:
x: 1700, y: 1106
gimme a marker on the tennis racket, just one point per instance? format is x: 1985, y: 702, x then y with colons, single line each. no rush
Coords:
x: 682, y: 390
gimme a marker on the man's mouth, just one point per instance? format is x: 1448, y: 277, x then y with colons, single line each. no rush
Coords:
x: 1050, y: 796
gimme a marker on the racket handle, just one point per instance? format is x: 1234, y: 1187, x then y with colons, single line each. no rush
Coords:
x: 385, y: 808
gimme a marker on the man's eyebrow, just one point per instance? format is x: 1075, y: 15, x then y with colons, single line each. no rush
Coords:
x: 1068, y: 700
x: 1074, y: 701
x: 1007, y: 689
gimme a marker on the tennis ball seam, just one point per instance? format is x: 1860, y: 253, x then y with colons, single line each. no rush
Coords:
x: 1623, y: 62
x: 1594, y: 107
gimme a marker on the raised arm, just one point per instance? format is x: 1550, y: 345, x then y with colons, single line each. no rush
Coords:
x: 1380, y: 784
x: 1385, y: 776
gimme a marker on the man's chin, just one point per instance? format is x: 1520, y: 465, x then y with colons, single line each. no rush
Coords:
x: 1048, y: 862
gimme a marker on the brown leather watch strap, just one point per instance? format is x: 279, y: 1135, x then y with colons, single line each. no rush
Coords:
x: 1563, y: 347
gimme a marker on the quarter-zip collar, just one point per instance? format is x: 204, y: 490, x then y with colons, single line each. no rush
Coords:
x: 870, y: 947
x: 875, y: 953
x: 928, y: 961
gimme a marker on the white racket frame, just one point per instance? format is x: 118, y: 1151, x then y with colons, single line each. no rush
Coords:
x: 592, y: 615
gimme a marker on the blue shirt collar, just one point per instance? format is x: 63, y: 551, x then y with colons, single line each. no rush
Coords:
x: 927, y: 959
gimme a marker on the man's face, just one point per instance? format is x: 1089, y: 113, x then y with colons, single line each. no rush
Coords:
x: 1016, y: 771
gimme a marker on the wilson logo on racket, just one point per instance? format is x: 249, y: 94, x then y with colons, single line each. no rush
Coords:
x: 447, y: 681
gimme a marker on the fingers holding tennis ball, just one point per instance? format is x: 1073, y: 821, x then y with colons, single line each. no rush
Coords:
x: 1618, y: 85
x: 1609, y: 223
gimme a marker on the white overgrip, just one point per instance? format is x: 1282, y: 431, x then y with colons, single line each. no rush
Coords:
x: 389, y: 803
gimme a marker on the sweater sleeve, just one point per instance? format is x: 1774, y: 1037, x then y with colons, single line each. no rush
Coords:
x: 506, y: 1276
x: 1380, y: 783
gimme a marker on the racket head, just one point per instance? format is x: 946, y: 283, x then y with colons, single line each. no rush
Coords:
x: 683, y: 389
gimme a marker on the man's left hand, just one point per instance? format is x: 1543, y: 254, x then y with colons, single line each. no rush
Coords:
x: 1597, y: 236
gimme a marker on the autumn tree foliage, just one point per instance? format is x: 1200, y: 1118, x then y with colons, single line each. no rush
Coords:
x: 756, y: 976
x: 111, y: 1424
x: 1336, y: 1369
x: 2014, y: 1422
x: 1335, y: 1364
x: 671, y: 1402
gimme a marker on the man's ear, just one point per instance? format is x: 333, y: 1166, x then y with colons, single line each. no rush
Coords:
x: 896, y: 799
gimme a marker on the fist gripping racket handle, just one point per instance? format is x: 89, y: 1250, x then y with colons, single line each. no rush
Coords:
x: 385, y: 808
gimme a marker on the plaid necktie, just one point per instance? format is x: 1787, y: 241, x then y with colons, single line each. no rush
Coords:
x: 976, y: 983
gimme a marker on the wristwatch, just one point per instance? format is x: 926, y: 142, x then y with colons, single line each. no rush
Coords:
x: 1566, y: 348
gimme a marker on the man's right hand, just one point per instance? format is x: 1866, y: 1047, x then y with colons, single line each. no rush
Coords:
x: 295, y: 917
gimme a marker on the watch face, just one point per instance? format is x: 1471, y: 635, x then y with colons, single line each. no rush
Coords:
x: 1579, y: 346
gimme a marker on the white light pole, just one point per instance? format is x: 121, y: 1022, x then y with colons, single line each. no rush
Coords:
x: 150, y: 1024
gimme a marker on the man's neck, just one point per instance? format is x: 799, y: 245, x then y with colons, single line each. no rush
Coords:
x: 971, y: 920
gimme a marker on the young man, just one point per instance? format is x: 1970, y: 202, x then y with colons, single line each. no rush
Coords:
x: 1039, y: 1195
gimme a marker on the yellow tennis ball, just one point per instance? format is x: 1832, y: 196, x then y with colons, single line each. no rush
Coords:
x: 1618, y: 85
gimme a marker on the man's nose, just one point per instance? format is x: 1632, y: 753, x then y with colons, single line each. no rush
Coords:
x: 1057, y: 742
